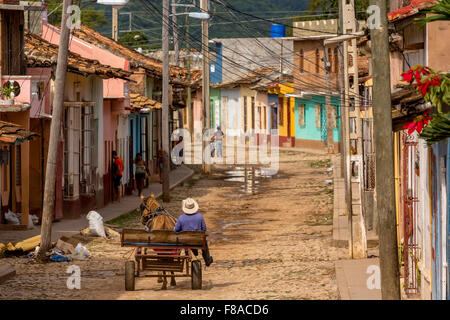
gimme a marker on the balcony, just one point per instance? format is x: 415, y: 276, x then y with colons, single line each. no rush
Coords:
x: 33, y: 93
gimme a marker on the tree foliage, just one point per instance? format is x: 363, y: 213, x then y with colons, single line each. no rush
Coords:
x: 135, y: 39
x: 332, y: 6
x: 90, y: 15
x: 440, y: 11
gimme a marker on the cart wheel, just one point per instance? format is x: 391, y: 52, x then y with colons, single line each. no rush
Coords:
x: 196, y: 279
x: 129, y: 275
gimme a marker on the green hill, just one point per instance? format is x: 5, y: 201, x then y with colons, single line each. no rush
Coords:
x: 147, y: 20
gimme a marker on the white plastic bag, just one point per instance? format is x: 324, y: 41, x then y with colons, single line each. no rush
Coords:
x: 96, y: 224
x: 11, y: 218
x: 30, y: 222
x: 81, y: 251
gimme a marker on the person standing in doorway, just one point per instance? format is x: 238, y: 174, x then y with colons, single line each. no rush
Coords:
x: 218, y: 138
x: 117, y: 172
x: 141, y: 173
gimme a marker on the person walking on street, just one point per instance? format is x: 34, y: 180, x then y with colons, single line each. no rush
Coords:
x: 117, y: 172
x: 192, y: 220
x: 141, y: 173
x: 218, y: 139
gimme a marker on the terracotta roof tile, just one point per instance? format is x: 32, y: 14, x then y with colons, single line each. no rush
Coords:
x: 12, y: 133
x: 138, y: 101
x: 41, y: 53
x: 414, y: 7
x: 178, y: 75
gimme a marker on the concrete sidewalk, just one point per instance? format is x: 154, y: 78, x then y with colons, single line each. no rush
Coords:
x: 352, y: 277
x: 110, y: 211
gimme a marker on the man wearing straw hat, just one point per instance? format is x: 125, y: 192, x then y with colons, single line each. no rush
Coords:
x: 192, y: 220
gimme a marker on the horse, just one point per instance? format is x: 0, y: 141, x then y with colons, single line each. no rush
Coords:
x: 155, y: 217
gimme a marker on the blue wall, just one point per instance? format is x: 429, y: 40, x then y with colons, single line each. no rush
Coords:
x: 309, y: 130
x: 440, y: 150
x: 216, y: 75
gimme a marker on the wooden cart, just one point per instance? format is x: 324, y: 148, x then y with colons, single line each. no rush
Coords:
x: 163, y: 251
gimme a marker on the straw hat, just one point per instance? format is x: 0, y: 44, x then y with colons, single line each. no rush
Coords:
x: 189, y: 206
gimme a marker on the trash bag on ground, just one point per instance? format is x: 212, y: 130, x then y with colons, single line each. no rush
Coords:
x: 59, y: 258
x: 96, y: 224
x: 82, y: 253
x: 11, y: 218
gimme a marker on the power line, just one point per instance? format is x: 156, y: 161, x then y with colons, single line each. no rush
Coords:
x: 245, y: 68
x: 281, y: 58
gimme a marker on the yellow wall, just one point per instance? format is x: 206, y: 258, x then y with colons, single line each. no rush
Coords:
x: 281, y: 90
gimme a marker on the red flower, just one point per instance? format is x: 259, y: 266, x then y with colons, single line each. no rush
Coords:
x: 424, y: 88
x: 408, y: 76
x: 418, y: 123
x: 417, y: 76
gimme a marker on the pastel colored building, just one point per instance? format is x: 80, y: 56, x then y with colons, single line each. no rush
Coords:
x: 311, y: 123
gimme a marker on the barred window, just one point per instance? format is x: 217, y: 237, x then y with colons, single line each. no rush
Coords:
x: 318, y: 110
x: 301, y: 114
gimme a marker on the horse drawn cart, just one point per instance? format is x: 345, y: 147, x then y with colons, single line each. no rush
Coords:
x: 159, y: 251
x: 163, y: 251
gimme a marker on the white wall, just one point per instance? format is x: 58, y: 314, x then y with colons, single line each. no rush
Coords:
x: 423, y: 223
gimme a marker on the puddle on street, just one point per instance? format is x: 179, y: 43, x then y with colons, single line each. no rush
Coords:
x: 250, y: 177
x: 225, y: 225
x: 224, y: 235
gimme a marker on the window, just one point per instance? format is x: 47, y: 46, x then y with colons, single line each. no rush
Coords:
x: 318, y: 111
x: 79, y: 168
x: 301, y: 114
x: 330, y: 59
x: 259, y: 124
x: 18, y: 165
x: 144, y: 138
x: 72, y: 133
x: 336, y: 61
x: 274, y: 118
x: 334, y: 116
x: 87, y: 149
x: 317, y: 60
x: 265, y: 118
x: 302, y: 59
x: 253, y: 113
x: 281, y: 112
x: 245, y: 114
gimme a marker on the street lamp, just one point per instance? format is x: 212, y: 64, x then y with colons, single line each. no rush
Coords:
x: 196, y: 15
x: 116, y: 5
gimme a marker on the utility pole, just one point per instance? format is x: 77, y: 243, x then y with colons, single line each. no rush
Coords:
x: 206, y: 168
x: 384, y: 157
x: 326, y: 60
x: 165, y: 102
x: 175, y: 33
x: 354, y: 166
x: 55, y: 131
x: 115, y: 22
x: 345, y: 124
x: 189, y: 98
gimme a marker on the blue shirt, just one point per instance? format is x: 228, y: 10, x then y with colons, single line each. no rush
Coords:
x: 190, y: 222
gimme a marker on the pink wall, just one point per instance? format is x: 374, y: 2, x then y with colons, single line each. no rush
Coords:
x: 197, y: 99
x: 109, y: 126
x: 112, y: 88
x: 34, y: 75
x: 85, y: 49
